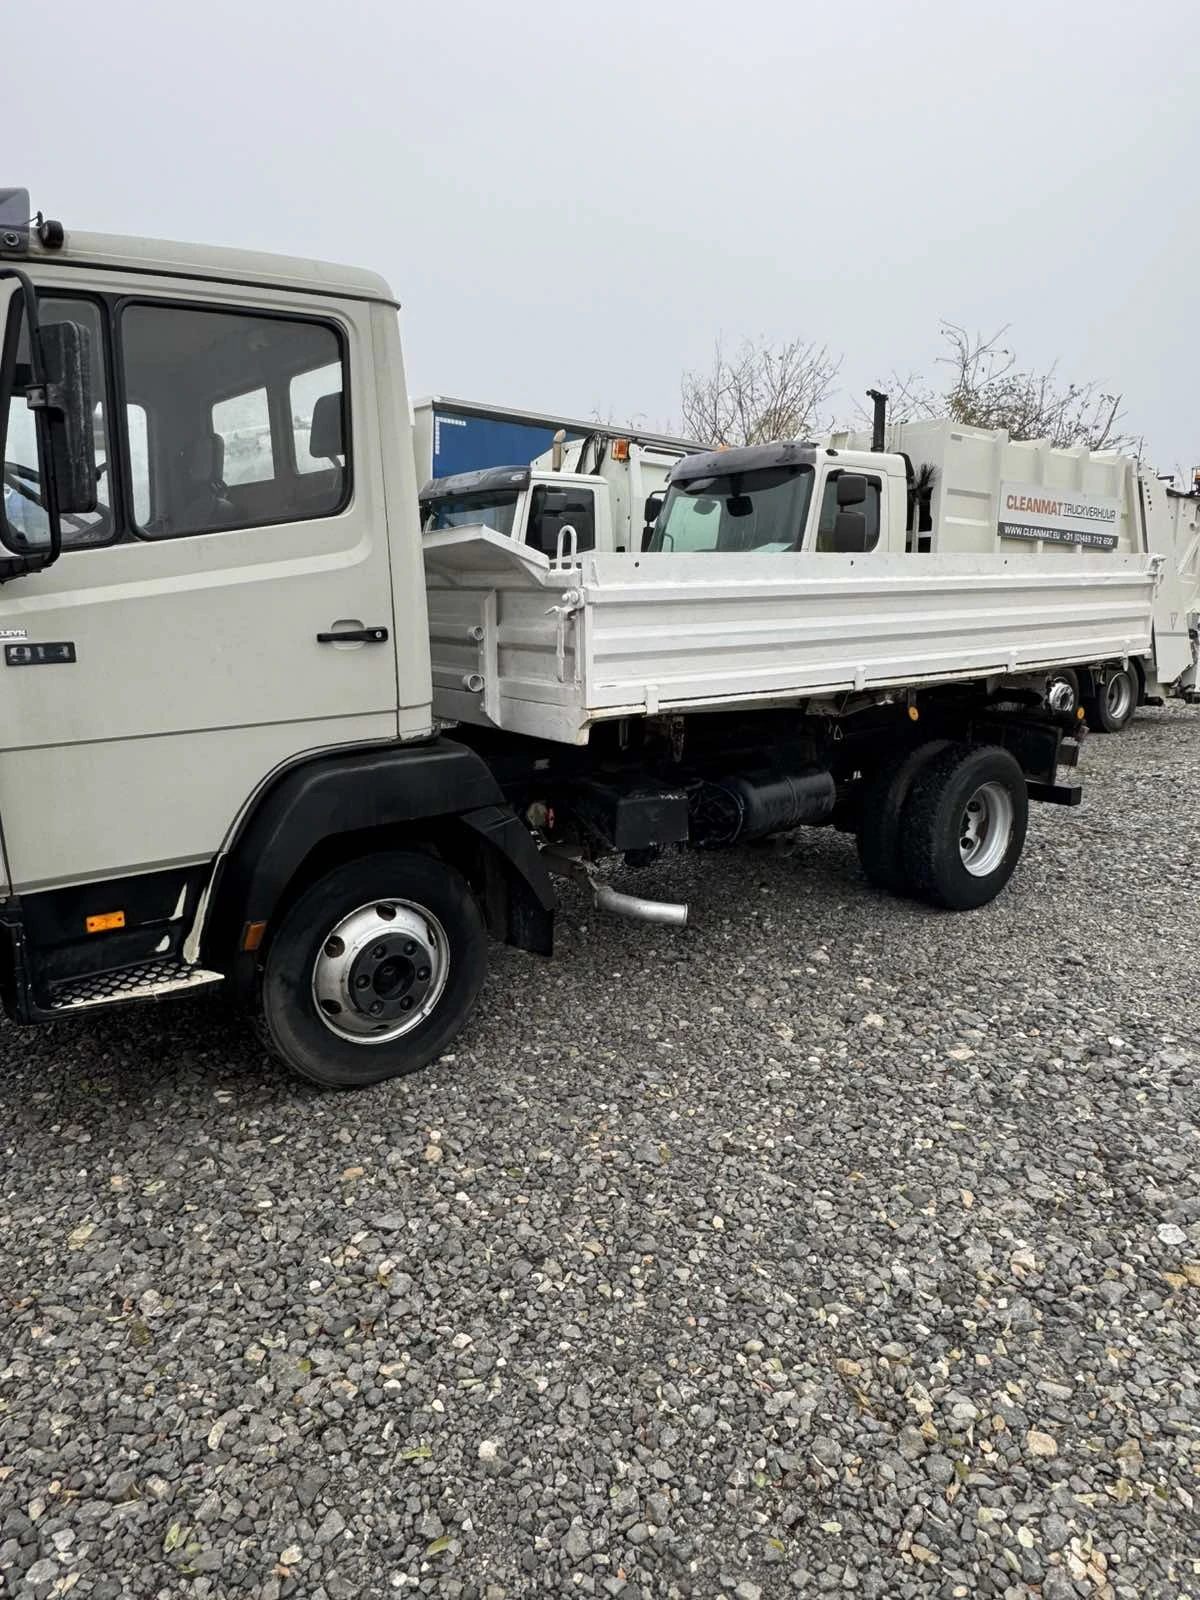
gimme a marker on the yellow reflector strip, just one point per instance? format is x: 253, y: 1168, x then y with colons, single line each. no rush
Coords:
x: 253, y: 935
x: 107, y: 920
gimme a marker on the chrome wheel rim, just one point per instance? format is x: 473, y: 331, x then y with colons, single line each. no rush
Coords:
x: 380, y: 971
x: 1118, y: 696
x: 986, y: 829
x: 1062, y: 695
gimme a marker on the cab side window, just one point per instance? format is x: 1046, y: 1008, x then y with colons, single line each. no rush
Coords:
x: 241, y: 419
x: 25, y: 526
x: 827, y: 526
x: 551, y: 509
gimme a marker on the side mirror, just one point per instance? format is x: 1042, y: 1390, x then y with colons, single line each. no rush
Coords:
x: 851, y: 489
x: 326, y: 433
x: 654, y: 504
x: 849, y: 535
x: 67, y: 357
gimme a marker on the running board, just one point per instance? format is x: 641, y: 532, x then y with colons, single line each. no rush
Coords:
x: 153, y: 980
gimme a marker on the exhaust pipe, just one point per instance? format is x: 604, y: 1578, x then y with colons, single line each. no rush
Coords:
x: 637, y: 909
x: 556, y: 447
x: 605, y: 898
x: 879, y: 419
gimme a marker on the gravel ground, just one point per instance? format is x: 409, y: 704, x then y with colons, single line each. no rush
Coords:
x: 832, y: 1247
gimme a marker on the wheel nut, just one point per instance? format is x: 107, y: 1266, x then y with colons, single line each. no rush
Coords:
x: 379, y: 952
x: 409, y: 947
x: 406, y: 1003
x: 362, y: 982
x: 423, y: 974
x: 376, y: 1007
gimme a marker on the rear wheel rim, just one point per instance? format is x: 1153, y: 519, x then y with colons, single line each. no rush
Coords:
x: 1063, y: 695
x: 380, y: 971
x: 985, y: 829
x: 1118, y: 696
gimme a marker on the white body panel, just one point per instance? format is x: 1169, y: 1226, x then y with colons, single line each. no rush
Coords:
x: 523, y: 645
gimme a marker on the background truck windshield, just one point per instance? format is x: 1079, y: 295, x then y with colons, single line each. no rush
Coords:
x: 763, y: 510
x: 496, y: 509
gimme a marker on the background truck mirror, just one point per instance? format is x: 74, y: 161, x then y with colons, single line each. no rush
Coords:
x: 851, y: 489
x: 849, y: 535
x: 326, y: 435
x: 652, y: 507
x: 67, y: 357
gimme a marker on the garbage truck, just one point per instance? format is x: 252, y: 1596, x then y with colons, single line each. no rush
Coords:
x: 605, y: 482
x: 976, y: 489
x: 232, y: 760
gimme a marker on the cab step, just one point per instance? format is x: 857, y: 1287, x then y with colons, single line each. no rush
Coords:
x: 153, y: 980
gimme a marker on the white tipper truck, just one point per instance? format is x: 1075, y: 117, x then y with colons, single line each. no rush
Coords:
x: 222, y: 762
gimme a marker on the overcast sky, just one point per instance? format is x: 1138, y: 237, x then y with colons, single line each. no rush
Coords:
x: 572, y: 202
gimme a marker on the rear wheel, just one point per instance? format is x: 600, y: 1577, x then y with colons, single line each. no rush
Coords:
x: 1111, y: 707
x: 964, y: 827
x: 373, y: 970
x: 881, y: 815
x: 1062, y: 689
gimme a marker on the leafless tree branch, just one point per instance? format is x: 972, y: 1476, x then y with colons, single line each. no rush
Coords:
x: 759, y: 393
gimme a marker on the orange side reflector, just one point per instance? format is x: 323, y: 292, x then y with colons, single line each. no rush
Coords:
x: 253, y: 935
x: 107, y: 920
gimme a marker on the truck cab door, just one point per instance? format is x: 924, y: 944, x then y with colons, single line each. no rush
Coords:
x: 227, y: 608
x: 554, y: 508
x: 836, y: 530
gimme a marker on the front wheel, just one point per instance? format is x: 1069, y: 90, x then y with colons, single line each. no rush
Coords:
x: 964, y: 826
x: 373, y: 970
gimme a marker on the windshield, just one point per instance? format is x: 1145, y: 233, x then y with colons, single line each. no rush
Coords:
x: 763, y: 510
x: 495, y: 509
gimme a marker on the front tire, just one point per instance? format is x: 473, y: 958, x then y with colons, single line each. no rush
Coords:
x: 964, y: 827
x: 373, y: 970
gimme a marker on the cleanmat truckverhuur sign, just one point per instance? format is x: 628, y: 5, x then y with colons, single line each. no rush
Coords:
x: 1059, y: 516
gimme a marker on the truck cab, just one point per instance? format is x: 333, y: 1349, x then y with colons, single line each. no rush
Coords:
x: 598, y: 493
x: 785, y: 497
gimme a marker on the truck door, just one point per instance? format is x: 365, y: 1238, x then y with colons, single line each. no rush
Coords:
x: 228, y: 605
x: 830, y: 536
x: 553, y: 508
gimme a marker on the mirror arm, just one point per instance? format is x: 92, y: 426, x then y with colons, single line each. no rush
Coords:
x: 41, y: 398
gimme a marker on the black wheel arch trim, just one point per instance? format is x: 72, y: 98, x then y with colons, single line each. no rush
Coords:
x: 345, y: 793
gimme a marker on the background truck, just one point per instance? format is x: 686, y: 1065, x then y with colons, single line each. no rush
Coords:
x: 974, y: 489
x: 218, y: 763
x: 605, y: 483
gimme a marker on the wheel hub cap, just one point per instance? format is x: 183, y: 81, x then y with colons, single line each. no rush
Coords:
x: 986, y: 829
x: 1119, y: 693
x: 380, y: 971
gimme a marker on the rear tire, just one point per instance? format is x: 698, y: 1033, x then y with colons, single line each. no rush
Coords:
x: 1111, y: 708
x: 374, y: 970
x: 964, y: 827
x: 881, y: 817
x: 1062, y: 690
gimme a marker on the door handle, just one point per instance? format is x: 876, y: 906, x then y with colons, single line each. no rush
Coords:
x: 355, y: 636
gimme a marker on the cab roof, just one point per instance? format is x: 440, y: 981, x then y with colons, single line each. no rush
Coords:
x: 170, y: 258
